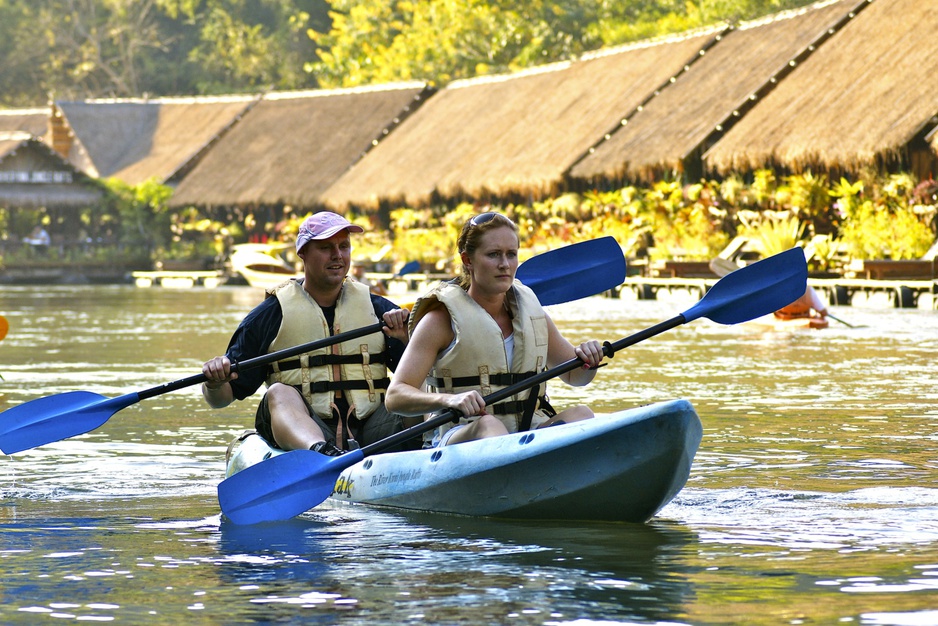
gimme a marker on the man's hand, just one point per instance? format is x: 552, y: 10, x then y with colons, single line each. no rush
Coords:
x: 395, y: 322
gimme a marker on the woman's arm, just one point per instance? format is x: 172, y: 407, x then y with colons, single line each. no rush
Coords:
x: 432, y: 335
x: 559, y: 350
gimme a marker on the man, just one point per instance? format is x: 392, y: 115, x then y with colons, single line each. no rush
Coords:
x: 319, y: 400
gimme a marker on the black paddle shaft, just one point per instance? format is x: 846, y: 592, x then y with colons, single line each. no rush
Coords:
x: 609, y: 350
x: 264, y: 359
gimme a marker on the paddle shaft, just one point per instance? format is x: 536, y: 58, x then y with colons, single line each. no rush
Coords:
x: 837, y: 319
x: 603, y: 254
x: 739, y: 296
x: 609, y: 350
x: 288, y: 484
x: 264, y: 359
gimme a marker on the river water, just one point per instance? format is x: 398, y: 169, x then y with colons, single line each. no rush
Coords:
x: 812, y: 499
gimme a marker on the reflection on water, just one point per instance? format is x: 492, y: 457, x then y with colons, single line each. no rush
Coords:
x: 812, y: 499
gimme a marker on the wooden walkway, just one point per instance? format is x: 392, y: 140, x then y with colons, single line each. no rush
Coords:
x: 179, y: 279
x: 904, y: 293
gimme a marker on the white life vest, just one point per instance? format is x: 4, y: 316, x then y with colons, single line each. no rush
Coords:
x: 478, y: 359
x: 355, y: 368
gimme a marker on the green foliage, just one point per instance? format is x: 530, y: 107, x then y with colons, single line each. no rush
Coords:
x: 695, y: 222
x: 76, y: 49
x: 886, y: 225
x: 143, y: 219
x: 777, y: 234
x: 437, y: 41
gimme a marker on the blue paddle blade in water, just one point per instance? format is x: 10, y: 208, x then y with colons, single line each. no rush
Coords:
x: 283, y: 486
x: 576, y: 271
x: 755, y: 290
x: 45, y: 420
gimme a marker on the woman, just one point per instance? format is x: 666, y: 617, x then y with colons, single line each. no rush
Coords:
x: 487, y: 332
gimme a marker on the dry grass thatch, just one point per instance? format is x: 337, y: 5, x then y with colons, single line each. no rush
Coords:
x: 135, y: 140
x: 515, y: 133
x: 32, y: 121
x: 702, y: 100
x: 292, y: 146
x: 863, y: 95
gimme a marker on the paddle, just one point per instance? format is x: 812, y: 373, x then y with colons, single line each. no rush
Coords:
x: 408, y: 268
x: 837, y: 319
x: 286, y: 485
x: 599, y: 264
x: 65, y: 415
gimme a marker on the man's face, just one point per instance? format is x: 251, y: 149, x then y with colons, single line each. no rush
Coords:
x: 326, y: 261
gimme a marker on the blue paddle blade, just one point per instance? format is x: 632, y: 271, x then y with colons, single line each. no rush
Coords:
x: 409, y: 268
x: 283, y: 486
x: 45, y: 420
x: 754, y: 290
x: 576, y: 271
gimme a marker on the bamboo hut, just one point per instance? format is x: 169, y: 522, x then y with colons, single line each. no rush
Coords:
x: 293, y: 145
x: 136, y: 140
x: 513, y: 134
x: 34, y: 122
x: 868, y: 96
x: 671, y: 132
x: 33, y: 175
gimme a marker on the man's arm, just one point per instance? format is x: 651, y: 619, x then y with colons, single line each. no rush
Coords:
x: 395, y: 342
x: 251, y: 339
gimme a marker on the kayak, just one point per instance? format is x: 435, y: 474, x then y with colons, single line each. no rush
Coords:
x: 621, y: 467
x: 771, y: 322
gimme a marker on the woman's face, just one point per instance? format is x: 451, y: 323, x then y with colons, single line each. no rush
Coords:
x: 493, y: 263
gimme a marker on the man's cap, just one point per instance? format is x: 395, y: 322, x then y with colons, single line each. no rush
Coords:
x: 323, y: 225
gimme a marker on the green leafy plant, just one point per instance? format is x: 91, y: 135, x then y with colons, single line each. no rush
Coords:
x: 778, y: 234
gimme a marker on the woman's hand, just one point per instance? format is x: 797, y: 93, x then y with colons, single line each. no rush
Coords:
x: 468, y: 403
x: 591, y: 353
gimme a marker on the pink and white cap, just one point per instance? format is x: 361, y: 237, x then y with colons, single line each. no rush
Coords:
x: 323, y: 225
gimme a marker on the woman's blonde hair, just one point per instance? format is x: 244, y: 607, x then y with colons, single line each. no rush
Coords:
x: 471, y: 237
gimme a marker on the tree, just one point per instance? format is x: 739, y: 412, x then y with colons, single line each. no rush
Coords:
x: 77, y: 49
x: 375, y: 41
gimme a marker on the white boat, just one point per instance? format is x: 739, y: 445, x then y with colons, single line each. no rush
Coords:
x: 623, y: 467
x: 263, y: 265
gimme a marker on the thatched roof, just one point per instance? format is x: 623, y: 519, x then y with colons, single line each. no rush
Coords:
x: 708, y: 98
x: 135, y: 140
x: 34, y: 175
x: 514, y: 133
x: 32, y: 121
x: 292, y: 146
x: 862, y: 96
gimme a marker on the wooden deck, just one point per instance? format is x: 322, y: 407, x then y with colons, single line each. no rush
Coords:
x: 838, y: 291
x: 179, y: 279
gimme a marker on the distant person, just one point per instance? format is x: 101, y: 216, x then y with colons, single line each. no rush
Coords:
x: 358, y: 273
x: 38, y: 240
x: 808, y: 305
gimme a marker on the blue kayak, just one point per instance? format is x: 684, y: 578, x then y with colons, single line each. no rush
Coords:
x: 623, y: 466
